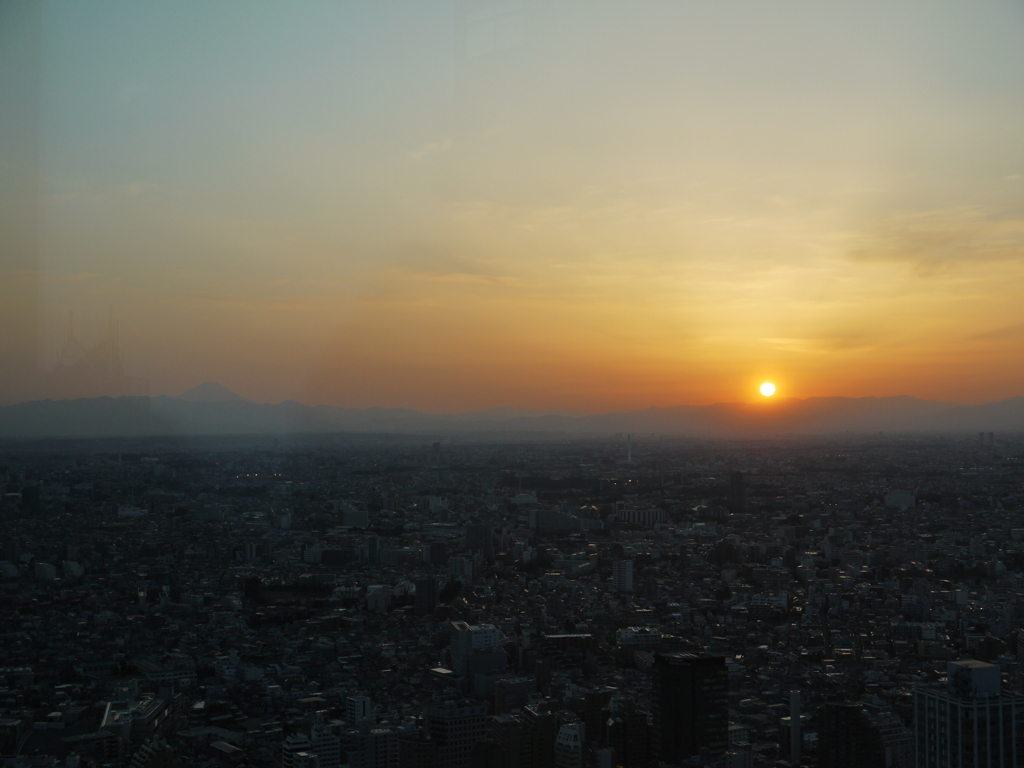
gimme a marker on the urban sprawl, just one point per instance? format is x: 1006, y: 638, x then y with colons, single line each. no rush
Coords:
x: 403, y: 603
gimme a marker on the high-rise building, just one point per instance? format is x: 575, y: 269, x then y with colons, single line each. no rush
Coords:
x: 295, y: 750
x: 513, y: 693
x: 487, y: 754
x: 622, y: 576
x: 415, y: 750
x: 595, y: 710
x: 426, y: 596
x: 508, y: 730
x: 354, y: 518
x: 371, y: 747
x: 628, y: 733
x: 456, y: 727
x: 541, y: 729
x: 477, y: 649
x: 737, y: 493
x: 461, y: 568
x: 795, y: 731
x: 325, y: 744
x: 480, y: 536
x: 359, y: 709
x: 372, y: 550
x: 689, y: 697
x: 896, y: 739
x: 570, y: 746
x: 970, y: 721
x: 435, y: 553
x: 845, y: 738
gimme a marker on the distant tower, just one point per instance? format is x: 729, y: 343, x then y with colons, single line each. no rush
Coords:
x: 629, y: 448
x: 72, y: 351
x: 622, y: 576
x: 96, y: 372
x: 795, y: 737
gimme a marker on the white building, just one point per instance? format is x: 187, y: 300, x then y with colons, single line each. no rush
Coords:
x: 569, y: 746
x: 295, y: 751
x: 359, y: 709
x: 325, y: 744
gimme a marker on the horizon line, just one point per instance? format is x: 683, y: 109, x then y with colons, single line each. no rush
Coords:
x: 566, y: 412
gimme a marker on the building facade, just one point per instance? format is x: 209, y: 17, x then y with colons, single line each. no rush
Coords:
x: 690, y: 706
x: 970, y: 721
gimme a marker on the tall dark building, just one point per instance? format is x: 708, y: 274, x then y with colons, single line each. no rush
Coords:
x: 417, y: 751
x: 541, y: 728
x: 438, y: 553
x: 513, y: 693
x: 372, y: 550
x: 487, y: 753
x: 481, y: 537
x: 628, y: 733
x: 852, y: 736
x: 691, y: 713
x: 426, y: 596
x: 595, y: 708
x: 846, y: 738
x: 514, y: 739
x: 737, y: 493
x: 455, y: 728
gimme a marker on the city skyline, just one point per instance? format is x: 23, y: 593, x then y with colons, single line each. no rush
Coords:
x: 512, y: 384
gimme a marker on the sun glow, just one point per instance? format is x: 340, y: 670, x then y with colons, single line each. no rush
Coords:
x: 767, y: 389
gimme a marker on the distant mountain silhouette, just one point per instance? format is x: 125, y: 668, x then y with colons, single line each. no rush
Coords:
x: 210, y: 392
x: 211, y: 409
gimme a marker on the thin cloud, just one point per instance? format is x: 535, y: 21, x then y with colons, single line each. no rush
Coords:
x: 432, y: 149
x: 934, y: 240
x: 1006, y: 333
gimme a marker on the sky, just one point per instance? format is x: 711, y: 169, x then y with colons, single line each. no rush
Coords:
x: 589, y: 206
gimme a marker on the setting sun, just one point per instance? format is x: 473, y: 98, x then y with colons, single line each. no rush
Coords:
x: 767, y: 389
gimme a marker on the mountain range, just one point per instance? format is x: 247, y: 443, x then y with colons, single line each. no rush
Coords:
x: 211, y: 409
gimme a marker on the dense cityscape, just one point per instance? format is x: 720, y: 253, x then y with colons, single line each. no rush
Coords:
x: 389, y: 603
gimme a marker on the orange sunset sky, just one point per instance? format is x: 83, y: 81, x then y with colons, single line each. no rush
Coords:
x: 578, y: 205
